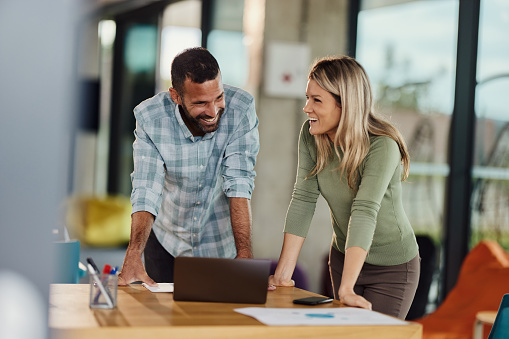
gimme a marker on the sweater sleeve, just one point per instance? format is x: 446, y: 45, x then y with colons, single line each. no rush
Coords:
x: 376, y: 172
x: 305, y: 192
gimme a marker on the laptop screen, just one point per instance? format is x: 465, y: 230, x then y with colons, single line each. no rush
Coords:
x: 221, y: 280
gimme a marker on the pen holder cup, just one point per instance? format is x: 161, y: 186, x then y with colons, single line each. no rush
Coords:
x: 98, y: 299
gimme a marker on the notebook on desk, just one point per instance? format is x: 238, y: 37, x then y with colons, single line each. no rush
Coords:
x: 221, y: 280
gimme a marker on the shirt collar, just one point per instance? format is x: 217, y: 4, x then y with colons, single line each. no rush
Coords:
x: 185, y: 130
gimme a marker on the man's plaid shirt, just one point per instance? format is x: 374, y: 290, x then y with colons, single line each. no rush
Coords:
x: 185, y: 181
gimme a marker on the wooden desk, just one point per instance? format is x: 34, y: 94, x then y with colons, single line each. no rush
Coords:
x: 143, y: 314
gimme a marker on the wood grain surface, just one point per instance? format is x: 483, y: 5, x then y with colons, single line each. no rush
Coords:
x: 143, y: 314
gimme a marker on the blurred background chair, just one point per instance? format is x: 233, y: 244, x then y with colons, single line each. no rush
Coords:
x: 483, y: 280
x: 99, y: 221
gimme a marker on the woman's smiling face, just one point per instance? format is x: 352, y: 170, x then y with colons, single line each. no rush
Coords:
x: 322, y: 110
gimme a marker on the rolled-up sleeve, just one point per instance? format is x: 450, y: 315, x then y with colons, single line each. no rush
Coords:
x: 148, y: 175
x: 240, y: 156
x: 376, y: 173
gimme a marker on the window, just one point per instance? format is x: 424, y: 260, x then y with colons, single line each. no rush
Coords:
x: 490, y: 198
x: 412, y: 69
x: 227, y: 41
x: 180, y: 30
x: 409, y: 52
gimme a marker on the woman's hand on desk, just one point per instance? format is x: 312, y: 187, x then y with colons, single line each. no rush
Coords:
x: 355, y: 300
x: 274, y: 281
x: 133, y: 270
x: 287, y: 261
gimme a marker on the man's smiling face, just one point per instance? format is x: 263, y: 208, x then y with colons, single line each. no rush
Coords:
x: 201, y: 105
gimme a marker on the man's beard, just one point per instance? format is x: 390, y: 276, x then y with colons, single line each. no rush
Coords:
x: 197, y: 122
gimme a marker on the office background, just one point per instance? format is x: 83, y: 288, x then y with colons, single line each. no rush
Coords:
x: 73, y: 71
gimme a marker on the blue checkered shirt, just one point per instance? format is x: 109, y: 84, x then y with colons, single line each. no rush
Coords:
x: 185, y: 181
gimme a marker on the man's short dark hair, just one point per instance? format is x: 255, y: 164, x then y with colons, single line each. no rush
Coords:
x: 195, y: 63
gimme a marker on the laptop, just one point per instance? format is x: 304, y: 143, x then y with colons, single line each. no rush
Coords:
x: 221, y: 280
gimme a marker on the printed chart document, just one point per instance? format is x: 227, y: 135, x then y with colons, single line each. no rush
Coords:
x: 318, y: 316
x: 162, y: 287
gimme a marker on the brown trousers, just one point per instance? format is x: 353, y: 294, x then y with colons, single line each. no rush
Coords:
x: 389, y: 289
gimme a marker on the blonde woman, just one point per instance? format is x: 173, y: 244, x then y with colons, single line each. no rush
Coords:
x: 356, y: 161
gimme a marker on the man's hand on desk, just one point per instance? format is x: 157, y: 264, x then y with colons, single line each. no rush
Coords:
x: 133, y: 270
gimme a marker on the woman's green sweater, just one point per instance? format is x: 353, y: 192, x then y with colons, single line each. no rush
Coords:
x: 371, y: 217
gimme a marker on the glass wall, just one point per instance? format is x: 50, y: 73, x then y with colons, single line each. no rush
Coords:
x: 411, y: 64
x: 147, y: 41
x: 409, y: 52
x: 490, y: 199
x: 180, y: 29
x: 227, y: 42
x: 134, y: 68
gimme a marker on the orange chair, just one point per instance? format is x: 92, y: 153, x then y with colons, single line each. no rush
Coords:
x: 483, y: 280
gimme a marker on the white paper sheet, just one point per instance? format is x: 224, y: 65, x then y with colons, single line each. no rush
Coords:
x: 318, y: 316
x: 163, y: 287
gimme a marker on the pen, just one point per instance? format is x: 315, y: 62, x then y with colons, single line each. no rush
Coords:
x: 106, y: 269
x: 94, y: 266
x: 93, y: 271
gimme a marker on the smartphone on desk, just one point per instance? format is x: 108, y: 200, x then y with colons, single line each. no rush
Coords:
x: 312, y: 300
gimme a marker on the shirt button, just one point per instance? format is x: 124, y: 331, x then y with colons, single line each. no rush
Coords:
x: 198, y: 203
x: 199, y: 185
x: 201, y: 166
x: 195, y: 218
x: 194, y: 235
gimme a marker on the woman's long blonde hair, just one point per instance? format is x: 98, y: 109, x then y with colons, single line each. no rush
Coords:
x: 348, y: 82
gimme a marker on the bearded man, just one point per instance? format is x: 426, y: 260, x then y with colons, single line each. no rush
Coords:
x: 194, y: 156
